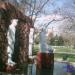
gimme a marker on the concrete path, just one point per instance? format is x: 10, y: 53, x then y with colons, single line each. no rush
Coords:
x: 60, y: 68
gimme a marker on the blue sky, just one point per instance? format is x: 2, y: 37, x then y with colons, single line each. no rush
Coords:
x: 66, y: 7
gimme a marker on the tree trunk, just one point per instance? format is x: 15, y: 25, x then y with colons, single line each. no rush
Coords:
x: 3, y: 52
x: 7, y: 13
x: 3, y: 40
x: 20, y: 54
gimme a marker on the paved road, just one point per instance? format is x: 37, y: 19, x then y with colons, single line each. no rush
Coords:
x: 60, y: 68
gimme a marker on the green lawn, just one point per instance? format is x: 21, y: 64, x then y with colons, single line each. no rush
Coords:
x: 66, y: 49
x: 59, y: 49
x: 36, y: 49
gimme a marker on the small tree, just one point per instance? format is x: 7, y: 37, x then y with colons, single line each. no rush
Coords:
x: 57, y: 41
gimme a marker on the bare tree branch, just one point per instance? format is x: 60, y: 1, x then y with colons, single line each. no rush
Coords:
x: 33, y: 9
x: 41, y: 7
x: 54, y: 20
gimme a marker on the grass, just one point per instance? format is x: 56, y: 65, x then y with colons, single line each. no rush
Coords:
x: 36, y: 49
x: 70, y: 58
x: 64, y: 49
